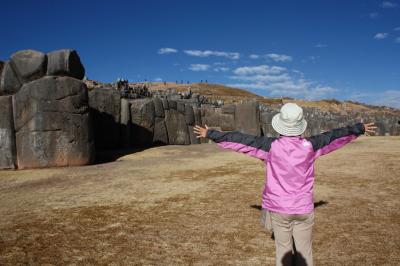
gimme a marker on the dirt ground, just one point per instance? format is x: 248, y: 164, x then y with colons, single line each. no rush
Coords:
x: 196, y: 205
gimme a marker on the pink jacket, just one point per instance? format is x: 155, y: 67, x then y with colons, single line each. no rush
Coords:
x: 289, y: 163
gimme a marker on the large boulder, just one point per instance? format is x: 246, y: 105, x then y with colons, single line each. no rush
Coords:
x: 197, y: 116
x: 210, y: 117
x: 65, y: 62
x: 143, y: 122
x: 197, y: 121
x: 9, y: 81
x: 29, y: 64
x: 52, y: 123
x: 189, y: 115
x: 247, y: 118
x: 160, y: 136
x: 266, y: 125
x: 105, y: 107
x: 176, y: 127
x: 159, y: 107
x: 7, y: 134
x: 228, y: 109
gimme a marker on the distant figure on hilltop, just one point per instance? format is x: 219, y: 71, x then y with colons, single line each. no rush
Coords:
x: 287, y: 200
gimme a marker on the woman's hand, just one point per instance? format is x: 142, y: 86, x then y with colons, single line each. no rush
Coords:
x: 200, y: 131
x: 369, y: 128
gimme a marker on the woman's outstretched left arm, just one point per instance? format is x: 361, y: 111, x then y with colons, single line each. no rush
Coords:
x: 251, y: 145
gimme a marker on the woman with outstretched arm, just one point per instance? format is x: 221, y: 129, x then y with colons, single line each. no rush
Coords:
x: 287, y: 199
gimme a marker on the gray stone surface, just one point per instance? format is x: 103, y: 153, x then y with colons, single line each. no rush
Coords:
x: 192, y: 136
x: 29, y: 64
x: 176, y: 127
x: 160, y: 132
x: 52, y: 123
x: 65, y: 62
x: 197, y: 116
x: 9, y: 81
x: 229, y: 109
x: 143, y: 122
x: 105, y: 108
x: 172, y: 104
x: 247, y: 117
x: 158, y: 107
x: 180, y: 107
x: 1, y: 67
x: 189, y: 115
x: 7, y: 134
x: 126, y: 124
x: 165, y: 104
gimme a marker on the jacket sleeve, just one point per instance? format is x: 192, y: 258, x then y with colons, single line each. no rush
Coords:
x: 254, y: 146
x: 332, y: 140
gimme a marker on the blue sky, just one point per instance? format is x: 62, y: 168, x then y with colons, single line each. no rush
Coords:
x: 349, y: 50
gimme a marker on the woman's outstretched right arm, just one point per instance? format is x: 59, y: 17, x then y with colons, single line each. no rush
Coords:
x: 332, y: 140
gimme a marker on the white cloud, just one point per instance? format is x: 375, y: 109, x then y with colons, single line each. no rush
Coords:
x: 381, y: 36
x: 397, y: 40
x: 387, y: 4
x: 278, y: 81
x: 221, y: 69
x: 167, y: 50
x: 262, y: 69
x: 256, y: 85
x: 321, y: 45
x: 263, y: 78
x: 199, y: 67
x: 219, y: 63
x: 373, y: 15
x: 207, y: 53
x: 158, y: 79
x: 254, y: 56
x: 397, y: 29
x: 279, y: 57
x: 390, y: 98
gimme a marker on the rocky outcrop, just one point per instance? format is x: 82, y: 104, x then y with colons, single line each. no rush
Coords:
x: 51, y: 123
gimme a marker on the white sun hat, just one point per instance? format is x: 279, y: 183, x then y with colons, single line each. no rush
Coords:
x: 290, y: 121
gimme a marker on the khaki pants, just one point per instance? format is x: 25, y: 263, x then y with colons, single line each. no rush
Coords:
x: 289, y: 227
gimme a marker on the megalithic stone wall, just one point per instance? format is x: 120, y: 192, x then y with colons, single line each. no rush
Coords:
x: 50, y: 109
x: 319, y: 121
x: 48, y: 117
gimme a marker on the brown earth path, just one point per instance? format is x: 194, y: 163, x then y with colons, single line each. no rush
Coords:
x: 196, y: 205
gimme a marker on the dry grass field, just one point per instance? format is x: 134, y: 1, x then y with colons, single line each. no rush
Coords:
x: 196, y: 205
